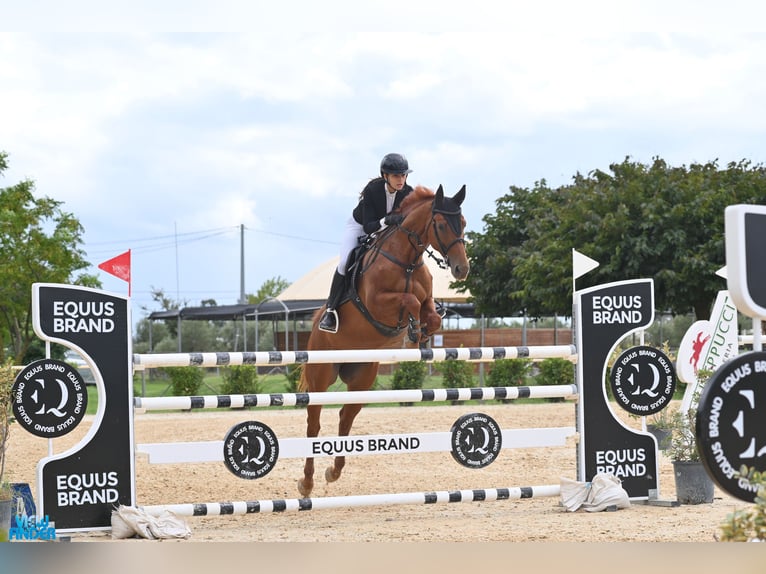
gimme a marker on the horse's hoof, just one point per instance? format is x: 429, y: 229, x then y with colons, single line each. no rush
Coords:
x: 302, y: 488
x: 329, y: 475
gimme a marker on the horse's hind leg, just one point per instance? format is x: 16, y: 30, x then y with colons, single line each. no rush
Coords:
x: 347, y: 415
x: 358, y: 377
x: 315, y: 378
x: 306, y: 484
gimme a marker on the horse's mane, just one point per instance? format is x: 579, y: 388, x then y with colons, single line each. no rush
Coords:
x: 416, y: 196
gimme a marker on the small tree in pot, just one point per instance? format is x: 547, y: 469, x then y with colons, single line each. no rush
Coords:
x: 693, y: 484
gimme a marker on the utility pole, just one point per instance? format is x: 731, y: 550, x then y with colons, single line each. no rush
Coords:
x: 242, y: 300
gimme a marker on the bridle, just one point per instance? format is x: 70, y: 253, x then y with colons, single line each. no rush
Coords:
x: 454, y: 220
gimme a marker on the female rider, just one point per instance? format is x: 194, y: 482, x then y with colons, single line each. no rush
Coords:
x: 373, y: 212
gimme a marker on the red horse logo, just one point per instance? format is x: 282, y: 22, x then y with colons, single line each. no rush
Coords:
x: 697, y: 346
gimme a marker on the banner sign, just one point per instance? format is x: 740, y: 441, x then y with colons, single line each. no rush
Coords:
x: 729, y: 427
x: 707, y: 345
x: 607, y: 313
x: 78, y: 488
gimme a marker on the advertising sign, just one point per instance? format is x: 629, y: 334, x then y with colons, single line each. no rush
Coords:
x: 79, y: 488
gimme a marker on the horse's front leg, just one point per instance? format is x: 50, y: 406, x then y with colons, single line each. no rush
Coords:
x: 413, y: 312
x: 430, y: 319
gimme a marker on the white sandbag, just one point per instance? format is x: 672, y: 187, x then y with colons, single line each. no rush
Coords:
x: 604, y: 491
x: 129, y: 522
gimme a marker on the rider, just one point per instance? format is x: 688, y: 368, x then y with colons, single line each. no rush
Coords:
x: 373, y: 212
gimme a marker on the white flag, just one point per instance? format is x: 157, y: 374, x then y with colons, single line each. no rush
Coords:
x: 581, y: 264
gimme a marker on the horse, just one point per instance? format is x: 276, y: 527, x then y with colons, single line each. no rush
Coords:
x: 389, y: 303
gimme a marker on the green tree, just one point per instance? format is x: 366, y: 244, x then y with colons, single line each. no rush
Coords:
x: 270, y: 288
x: 638, y: 221
x: 39, y: 242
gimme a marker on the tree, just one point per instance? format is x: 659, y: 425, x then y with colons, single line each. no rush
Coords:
x: 639, y: 221
x: 39, y: 242
x: 270, y: 288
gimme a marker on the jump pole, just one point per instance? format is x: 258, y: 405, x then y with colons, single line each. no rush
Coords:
x: 352, y: 397
x: 476, y: 354
x: 329, y: 502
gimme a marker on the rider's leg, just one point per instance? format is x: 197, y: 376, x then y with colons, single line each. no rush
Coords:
x: 329, y: 320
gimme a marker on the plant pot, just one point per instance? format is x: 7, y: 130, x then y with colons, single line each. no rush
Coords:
x: 661, y: 434
x: 5, y: 518
x: 693, y: 484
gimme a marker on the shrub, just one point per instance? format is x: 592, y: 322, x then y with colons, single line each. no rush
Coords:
x: 239, y: 380
x: 185, y: 381
x: 293, y: 375
x: 748, y: 525
x: 409, y: 375
x: 456, y: 374
x: 555, y: 371
x: 509, y: 372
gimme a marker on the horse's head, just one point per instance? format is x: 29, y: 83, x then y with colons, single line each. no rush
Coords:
x: 447, y: 230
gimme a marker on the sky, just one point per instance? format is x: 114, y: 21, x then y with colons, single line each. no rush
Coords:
x: 185, y: 130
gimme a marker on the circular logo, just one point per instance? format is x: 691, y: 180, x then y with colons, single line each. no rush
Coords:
x: 250, y: 450
x: 476, y: 440
x: 643, y: 380
x: 730, y: 430
x: 49, y: 398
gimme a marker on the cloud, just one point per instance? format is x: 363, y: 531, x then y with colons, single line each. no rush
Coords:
x: 280, y: 127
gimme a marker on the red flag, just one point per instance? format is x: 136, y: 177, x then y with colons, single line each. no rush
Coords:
x: 119, y: 267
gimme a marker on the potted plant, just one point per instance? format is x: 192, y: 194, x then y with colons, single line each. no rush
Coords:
x: 693, y: 484
x: 7, y: 377
x: 659, y: 424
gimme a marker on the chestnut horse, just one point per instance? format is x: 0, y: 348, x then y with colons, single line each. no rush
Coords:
x: 390, y: 304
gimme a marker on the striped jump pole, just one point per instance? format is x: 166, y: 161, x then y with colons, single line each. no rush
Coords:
x: 477, y: 354
x: 352, y: 397
x: 329, y: 502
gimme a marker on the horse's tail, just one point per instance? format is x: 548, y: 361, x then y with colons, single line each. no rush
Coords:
x: 303, y: 385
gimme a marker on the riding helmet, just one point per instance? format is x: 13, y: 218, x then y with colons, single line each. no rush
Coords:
x: 394, y: 163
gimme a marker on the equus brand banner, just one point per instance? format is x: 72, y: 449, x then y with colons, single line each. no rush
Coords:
x: 78, y: 488
x: 608, y: 313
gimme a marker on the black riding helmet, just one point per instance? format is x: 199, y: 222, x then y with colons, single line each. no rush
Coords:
x: 394, y: 163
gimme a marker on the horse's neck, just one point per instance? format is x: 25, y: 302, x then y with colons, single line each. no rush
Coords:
x: 413, y: 234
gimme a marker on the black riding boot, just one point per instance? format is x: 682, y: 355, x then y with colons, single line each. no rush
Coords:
x: 329, y: 320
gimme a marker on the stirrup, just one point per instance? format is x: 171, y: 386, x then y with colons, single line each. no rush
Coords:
x: 329, y: 321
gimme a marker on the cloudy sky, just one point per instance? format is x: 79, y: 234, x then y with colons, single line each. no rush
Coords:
x: 164, y: 138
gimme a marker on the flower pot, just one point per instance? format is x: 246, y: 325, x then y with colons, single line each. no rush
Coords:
x: 5, y: 518
x: 693, y: 484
